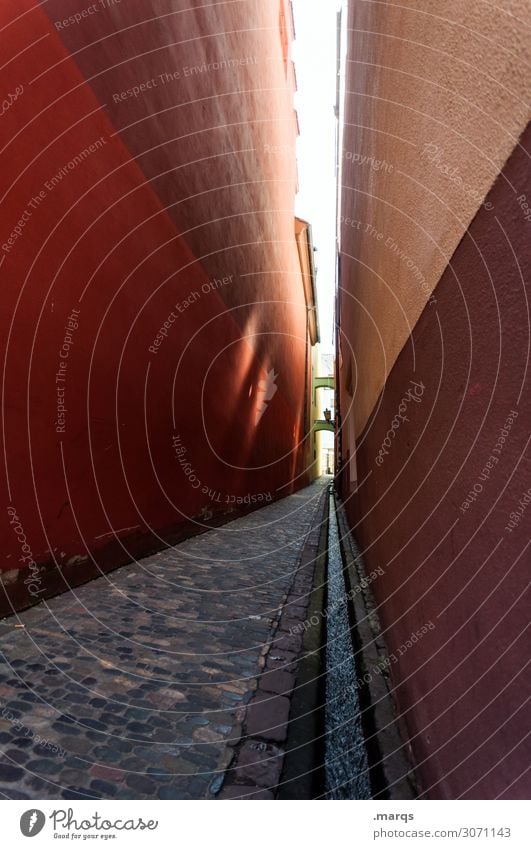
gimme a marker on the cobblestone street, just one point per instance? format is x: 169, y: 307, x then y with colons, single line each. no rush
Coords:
x: 134, y: 686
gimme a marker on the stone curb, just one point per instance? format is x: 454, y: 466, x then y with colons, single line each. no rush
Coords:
x: 255, y: 761
x: 389, y: 753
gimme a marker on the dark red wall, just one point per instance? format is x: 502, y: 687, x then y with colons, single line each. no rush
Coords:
x: 462, y: 687
x: 200, y: 189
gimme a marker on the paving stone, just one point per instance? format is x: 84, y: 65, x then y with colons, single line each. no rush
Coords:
x: 80, y: 793
x: 126, y: 793
x: 142, y: 784
x: 122, y: 746
x: 17, y: 756
x: 33, y: 782
x: 96, y: 724
x: 79, y: 746
x: 62, y: 728
x: 163, y: 735
x: 287, y: 642
x: 138, y: 764
x: 277, y: 681
x: 160, y: 722
x: 43, y: 765
x: 74, y: 777
x: 159, y: 776
x: 13, y: 707
x: 108, y: 773
x: 239, y: 791
x: 259, y: 764
x: 10, y: 773
x: 138, y: 728
x: 179, y: 693
x: 113, y: 707
x: 171, y: 792
x: 22, y: 742
x: 12, y: 793
x: 285, y: 660
x: 105, y: 788
x: 267, y: 717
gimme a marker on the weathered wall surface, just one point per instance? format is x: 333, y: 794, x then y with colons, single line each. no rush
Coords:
x: 446, y: 512
x: 434, y: 379
x: 437, y: 97
x: 153, y: 322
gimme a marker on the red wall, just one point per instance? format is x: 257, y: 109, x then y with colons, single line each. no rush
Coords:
x: 461, y: 689
x: 200, y: 189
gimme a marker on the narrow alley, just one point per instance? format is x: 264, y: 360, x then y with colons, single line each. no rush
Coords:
x: 264, y: 478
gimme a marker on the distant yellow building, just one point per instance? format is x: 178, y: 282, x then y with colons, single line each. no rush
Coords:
x: 322, y: 407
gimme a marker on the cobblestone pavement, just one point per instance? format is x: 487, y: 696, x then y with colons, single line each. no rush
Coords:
x: 133, y: 686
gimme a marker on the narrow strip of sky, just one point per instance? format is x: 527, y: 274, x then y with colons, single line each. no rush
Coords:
x: 314, y: 54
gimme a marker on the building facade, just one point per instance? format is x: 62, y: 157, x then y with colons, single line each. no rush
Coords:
x: 433, y: 336
x: 155, y: 332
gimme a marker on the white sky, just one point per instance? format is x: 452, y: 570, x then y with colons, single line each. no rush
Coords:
x: 314, y: 54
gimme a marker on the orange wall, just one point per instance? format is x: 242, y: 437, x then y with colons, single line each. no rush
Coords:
x: 182, y: 222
